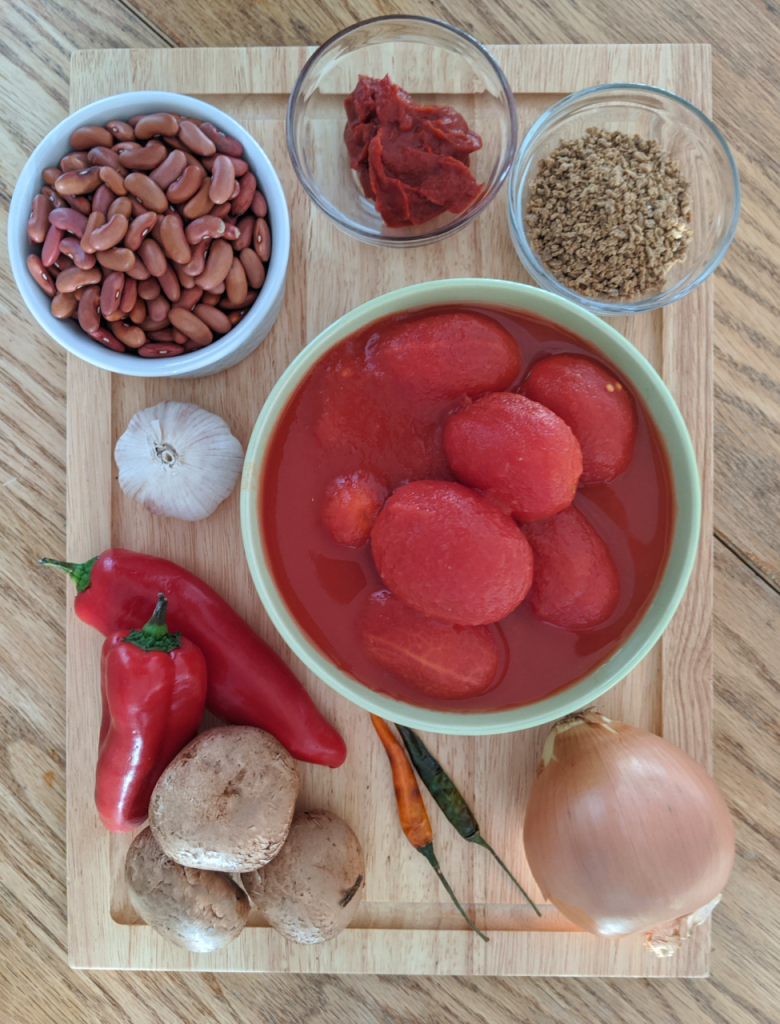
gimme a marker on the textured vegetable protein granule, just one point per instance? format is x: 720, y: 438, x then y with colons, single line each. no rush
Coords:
x: 609, y: 214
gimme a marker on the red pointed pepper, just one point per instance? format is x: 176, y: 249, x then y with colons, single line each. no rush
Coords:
x: 249, y: 684
x: 153, y: 684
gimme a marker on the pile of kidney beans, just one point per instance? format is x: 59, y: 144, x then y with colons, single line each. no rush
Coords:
x: 153, y: 234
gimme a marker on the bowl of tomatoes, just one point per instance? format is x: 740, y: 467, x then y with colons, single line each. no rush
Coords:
x: 470, y: 506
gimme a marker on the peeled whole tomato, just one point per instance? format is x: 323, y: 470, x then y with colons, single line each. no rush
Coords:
x: 626, y: 833
x: 442, y: 660
x: 593, y: 402
x: 448, y: 355
x: 352, y: 503
x: 576, y: 585
x: 518, y: 452
x: 449, y: 553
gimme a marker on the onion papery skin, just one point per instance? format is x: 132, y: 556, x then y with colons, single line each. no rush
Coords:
x: 624, y: 831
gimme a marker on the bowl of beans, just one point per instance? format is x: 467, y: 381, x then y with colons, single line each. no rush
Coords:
x: 149, y: 235
x: 623, y: 198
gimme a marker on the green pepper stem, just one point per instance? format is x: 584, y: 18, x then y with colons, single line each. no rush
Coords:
x: 430, y: 856
x: 154, y: 636
x: 477, y: 838
x: 79, y: 572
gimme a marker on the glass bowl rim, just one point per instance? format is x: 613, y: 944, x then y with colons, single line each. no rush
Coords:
x: 331, y: 211
x: 516, y: 220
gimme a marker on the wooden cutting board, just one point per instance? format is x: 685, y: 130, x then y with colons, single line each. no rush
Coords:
x: 406, y: 924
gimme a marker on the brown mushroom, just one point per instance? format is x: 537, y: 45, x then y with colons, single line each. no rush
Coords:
x: 199, y: 910
x: 226, y: 801
x: 312, y: 889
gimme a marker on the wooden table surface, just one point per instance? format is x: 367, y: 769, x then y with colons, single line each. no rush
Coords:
x: 36, y: 985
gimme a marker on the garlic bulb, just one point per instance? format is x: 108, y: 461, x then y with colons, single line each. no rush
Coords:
x: 178, y: 460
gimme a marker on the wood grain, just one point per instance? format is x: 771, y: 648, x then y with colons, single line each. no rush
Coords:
x: 36, y: 38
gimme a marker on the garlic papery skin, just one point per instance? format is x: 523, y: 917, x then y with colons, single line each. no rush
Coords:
x: 178, y: 460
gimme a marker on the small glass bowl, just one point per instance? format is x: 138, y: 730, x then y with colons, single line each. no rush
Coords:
x: 681, y: 130
x: 434, y: 62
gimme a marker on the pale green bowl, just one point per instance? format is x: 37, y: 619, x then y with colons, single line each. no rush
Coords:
x: 663, y: 410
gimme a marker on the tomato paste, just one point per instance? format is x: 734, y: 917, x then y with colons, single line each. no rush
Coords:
x: 413, y: 161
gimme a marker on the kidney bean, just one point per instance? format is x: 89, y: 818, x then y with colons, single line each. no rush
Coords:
x: 247, y: 186
x: 142, y: 187
x: 166, y: 334
x: 154, y: 325
x: 139, y: 228
x: 169, y: 283
x: 129, y: 295
x: 235, y: 282
x: 210, y: 299
x: 149, y: 289
x: 121, y: 259
x: 194, y: 139
x: 213, y: 318
x: 51, y: 245
x: 173, y: 239
x: 78, y: 183
x: 109, y: 234
x: 89, y: 136
x: 204, y: 227
x: 64, y: 305
x: 102, y: 199
x: 222, y: 143
x: 179, y: 336
x: 38, y: 221
x: 198, y: 262
x: 126, y: 147
x: 74, y: 162
x: 138, y: 312
x: 40, y: 274
x: 170, y: 169
x: 223, y: 178
x: 157, y: 309
x: 189, y: 298
x: 57, y: 202
x: 239, y: 166
x: 121, y: 205
x: 187, y: 185
x: 262, y: 239
x: 89, y: 309
x: 237, y: 316
x: 226, y: 304
x: 156, y: 124
x: 155, y: 232
x: 145, y: 158
x: 191, y: 325
x: 107, y: 338
x: 102, y: 156
x: 185, y: 280
x: 245, y: 227
x: 259, y: 205
x: 133, y: 336
x: 63, y: 262
x: 200, y: 204
x: 160, y: 350
x: 153, y: 257
x: 231, y: 232
x: 218, y: 265
x: 69, y: 220
x: 95, y: 220
x: 111, y: 293
x: 114, y: 180
x: 121, y: 131
x: 50, y: 174
x: 80, y: 203
x: 138, y: 271
x: 74, y: 277
x: 71, y: 247
x: 137, y: 209
x: 113, y: 317
x: 133, y: 121
x: 220, y: 211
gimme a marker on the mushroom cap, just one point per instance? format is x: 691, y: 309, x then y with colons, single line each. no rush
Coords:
x: 226, y: 801
x: 312, y: 889
x: 199, y: 910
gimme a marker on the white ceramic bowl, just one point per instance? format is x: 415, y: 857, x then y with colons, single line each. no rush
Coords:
x: 245, y: 336
x: 662, y: 408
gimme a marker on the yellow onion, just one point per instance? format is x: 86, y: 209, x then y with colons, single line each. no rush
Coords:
x: 626, y: 833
